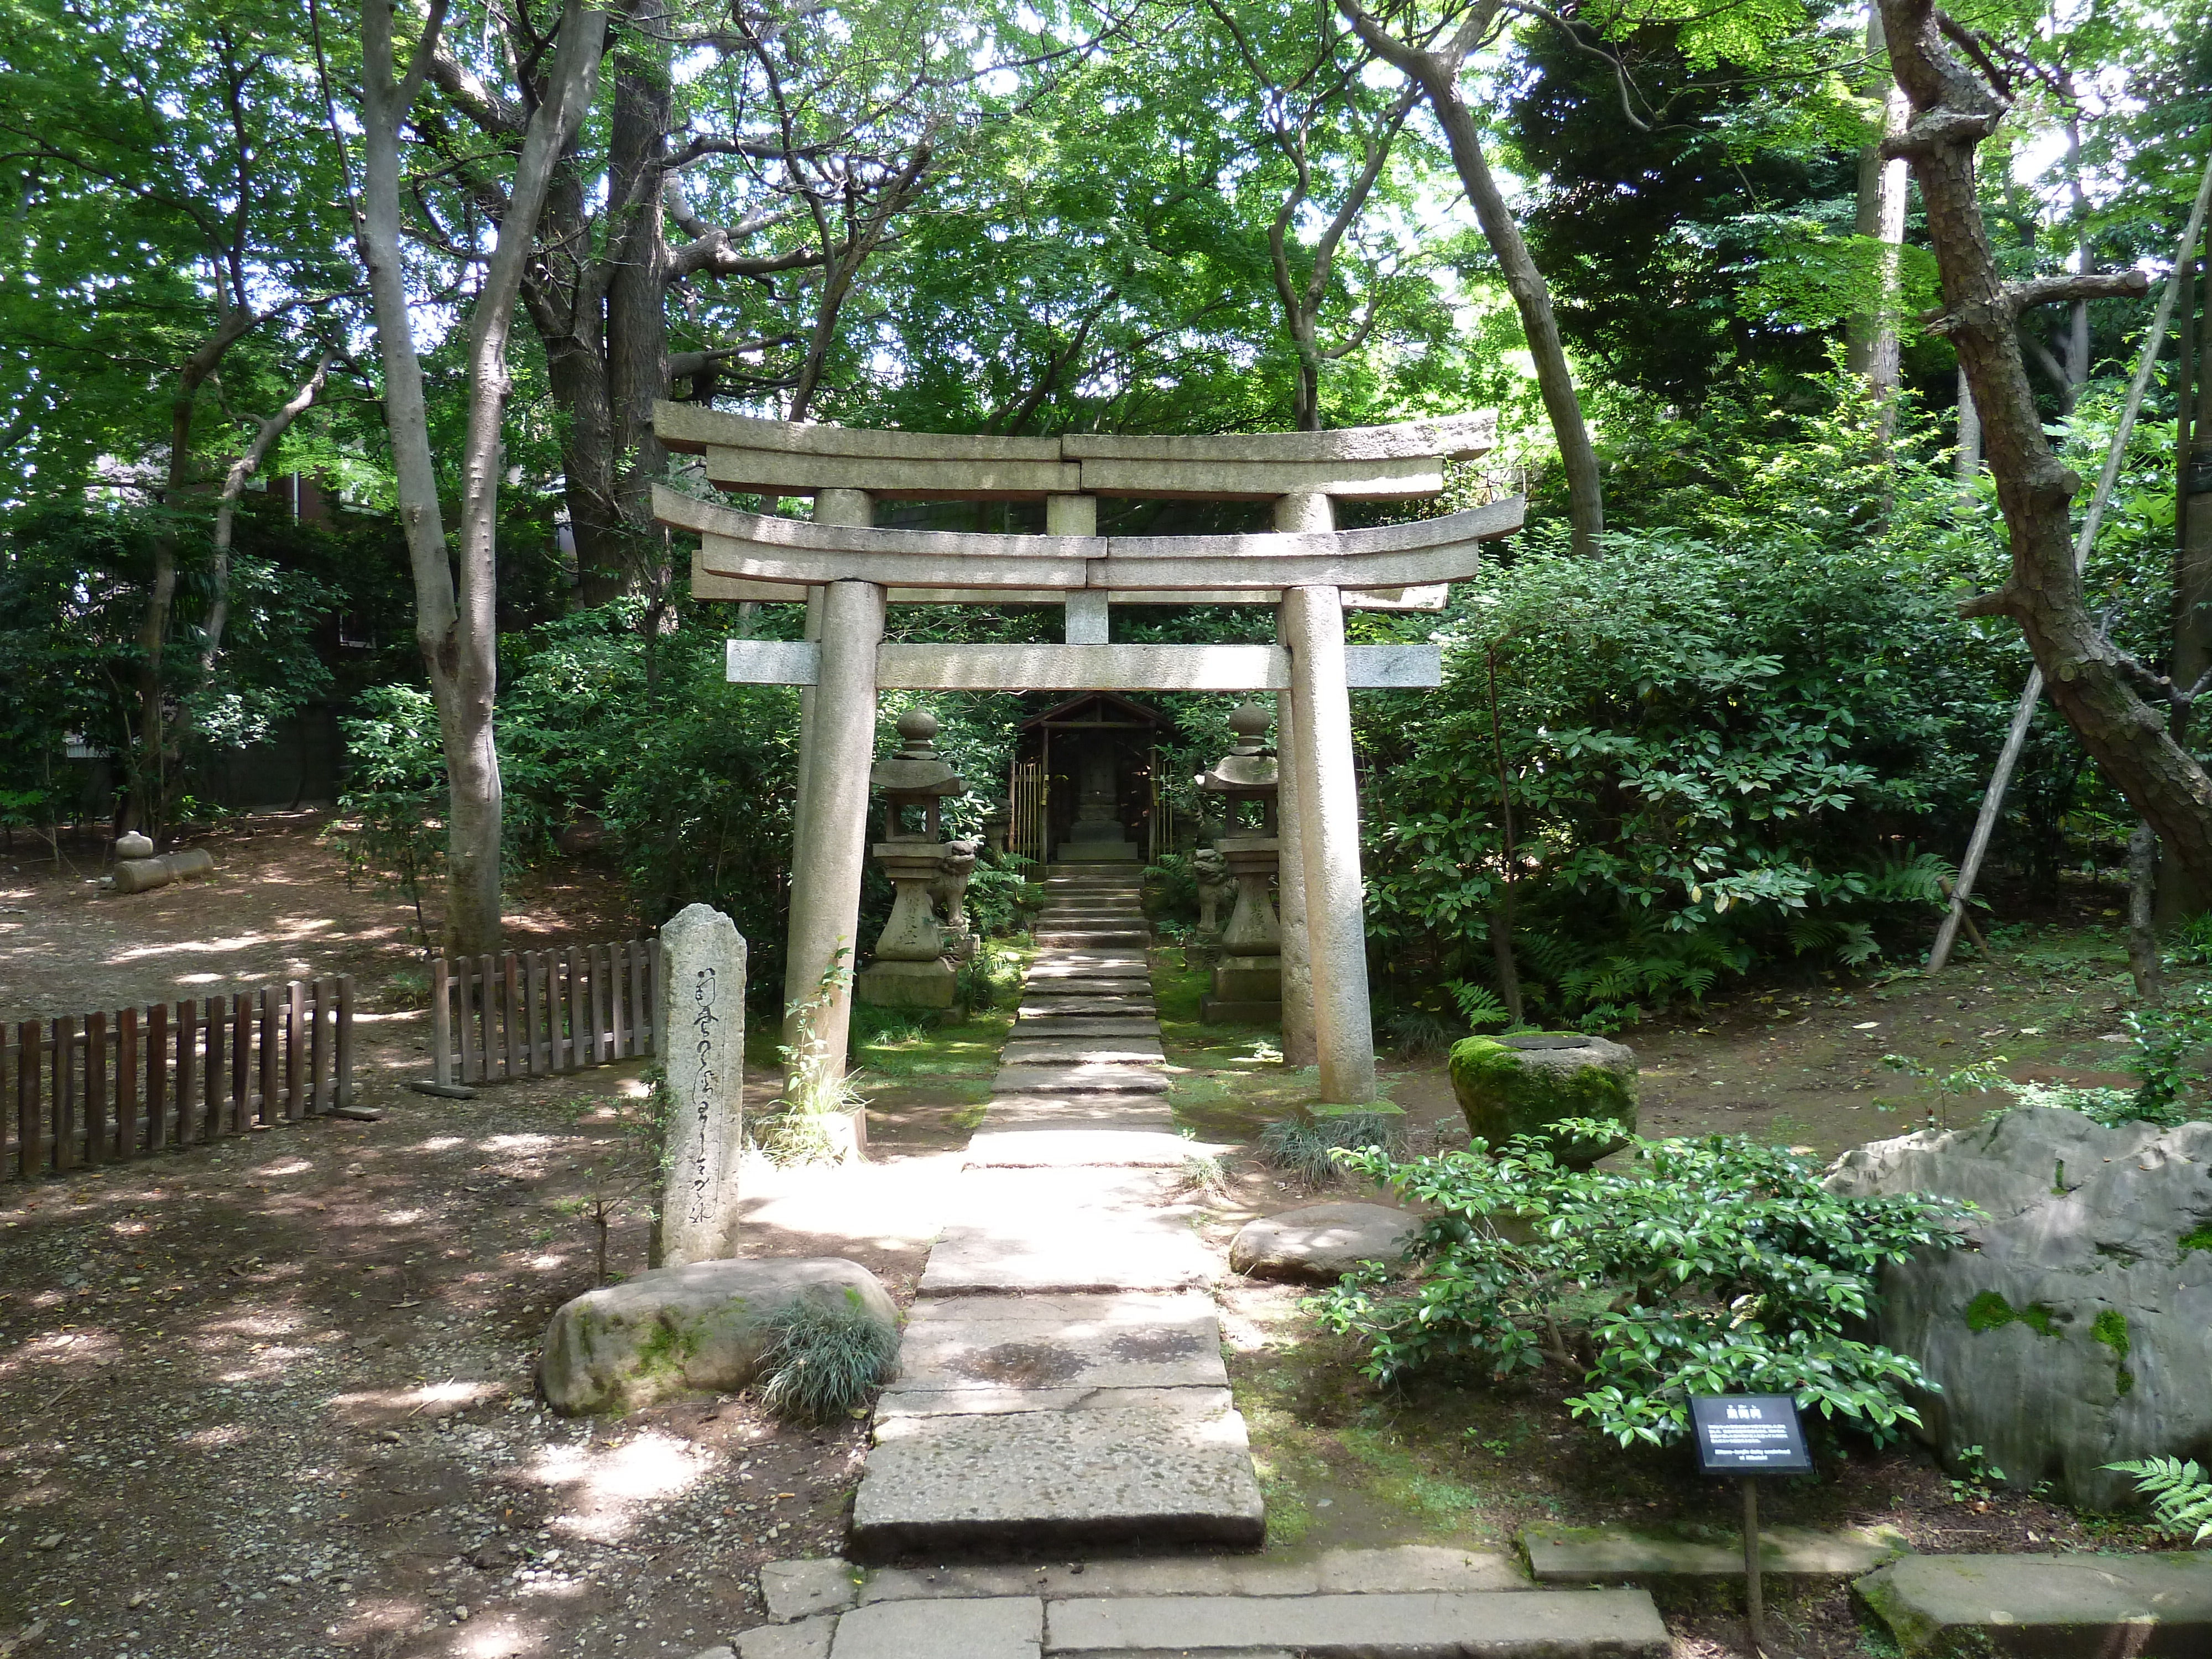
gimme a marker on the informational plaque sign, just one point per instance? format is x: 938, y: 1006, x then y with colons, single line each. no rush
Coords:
x: 1749, y: 1434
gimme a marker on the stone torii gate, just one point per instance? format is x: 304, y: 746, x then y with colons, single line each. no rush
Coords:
x: 848, y: 570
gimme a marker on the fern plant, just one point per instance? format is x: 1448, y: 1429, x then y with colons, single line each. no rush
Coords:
x: 2180, y: 1496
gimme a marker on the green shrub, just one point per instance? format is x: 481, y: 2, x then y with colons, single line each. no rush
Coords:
x: 825, y: 1359
x: 1307, y: 1146
x: 1713, y: 1265
x: 2171, y: 1044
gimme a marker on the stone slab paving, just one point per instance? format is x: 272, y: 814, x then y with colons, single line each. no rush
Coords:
x: 1572, y: 1554
x: 1048, y: 1110
x: 1063, y: 1147
x: 1613, y: 1622
x: 2053, y: 1606
x: 1408, y: 1601
x: 1060, y: 1379
x: 1136, y: 1080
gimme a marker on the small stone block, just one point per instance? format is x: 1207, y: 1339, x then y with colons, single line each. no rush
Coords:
x: 1004, y: 1627
x: 2051, y: 1607
x: 906, y: 985
x: 793, y: 1589
x: 1036, y: 1342
x: 1617, y: 1624
x: 1567, y: 1554
x: 807, y: 1639
x: 1412, y: 1567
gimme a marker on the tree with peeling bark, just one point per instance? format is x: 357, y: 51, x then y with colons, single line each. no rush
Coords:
x: 455, y: 619
x: 1961, y: 85
x: 1432, y: 59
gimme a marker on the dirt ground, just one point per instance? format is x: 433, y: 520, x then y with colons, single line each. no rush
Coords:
x: 275, y: 1397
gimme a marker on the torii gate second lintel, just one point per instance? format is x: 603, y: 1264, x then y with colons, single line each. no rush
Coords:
x: 847, y: 570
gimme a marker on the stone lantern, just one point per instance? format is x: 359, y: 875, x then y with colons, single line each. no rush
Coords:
x: 909, y: 970
x: 1247, y: 976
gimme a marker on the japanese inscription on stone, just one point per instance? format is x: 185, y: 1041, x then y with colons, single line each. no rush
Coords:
x: 703, y: 1032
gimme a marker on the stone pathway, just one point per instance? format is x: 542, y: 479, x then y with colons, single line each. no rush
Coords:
x: 1413, y: 1602
x: 1061, y: 1381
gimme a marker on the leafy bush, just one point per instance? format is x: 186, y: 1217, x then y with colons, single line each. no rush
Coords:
x: 1713, y: 1265
x: 392, y: 817
x: 2180, y: 1496
x: 1307, y: 1146
x: 825, y: 1359
x: 2171, y: 1044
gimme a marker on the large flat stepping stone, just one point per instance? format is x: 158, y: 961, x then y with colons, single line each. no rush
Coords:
x: 1079, y: 1080
x: 1570, y: 1554
x: 1083, y: 1004
x: 1401, y: 1568
x: 2052, y: 1607
x: 1051, y: 1023
x: 1066, y: 1230
x: 1059, y: 1479
x: 1068, y: 1112
x: 1082, y: 1051
x: 1072, y: 1148
x: 1090, y: 964
x: 999, y: 1354
x: 1000, y: 1628
x: 1615, y: 1623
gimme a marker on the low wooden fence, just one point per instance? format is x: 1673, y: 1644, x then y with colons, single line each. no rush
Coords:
x: 529, y: 1013
x: 79, y: 1091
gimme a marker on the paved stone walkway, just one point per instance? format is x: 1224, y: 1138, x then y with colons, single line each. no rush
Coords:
x: 1060, y: 1382
x: 1413, y: 1602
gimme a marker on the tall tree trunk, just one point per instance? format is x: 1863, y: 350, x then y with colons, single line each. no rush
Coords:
x: 1437, y: 76
x: 455, y: 621
x: 2093, y: 684
x: 1966, y: 459
x: 145, y: 800
x: 1870, y: 337
x: 226, y: 509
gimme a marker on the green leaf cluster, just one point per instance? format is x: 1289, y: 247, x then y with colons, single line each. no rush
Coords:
x: 1707, y: 1266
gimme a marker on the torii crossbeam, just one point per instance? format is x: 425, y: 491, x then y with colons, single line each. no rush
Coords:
x: 847, y: 570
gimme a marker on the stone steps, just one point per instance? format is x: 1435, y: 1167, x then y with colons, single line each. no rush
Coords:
x: 1061, y: 1381
x: 1408, y: 1603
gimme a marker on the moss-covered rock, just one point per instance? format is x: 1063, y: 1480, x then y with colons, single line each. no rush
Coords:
x: 1523, y: 1085
x: 694, y: 1329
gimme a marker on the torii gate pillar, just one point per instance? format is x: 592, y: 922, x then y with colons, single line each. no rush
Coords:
x: 826, y: 860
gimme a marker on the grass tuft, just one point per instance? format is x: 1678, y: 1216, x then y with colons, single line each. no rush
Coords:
x: 1303, y: 1145
x: 825, y: 1359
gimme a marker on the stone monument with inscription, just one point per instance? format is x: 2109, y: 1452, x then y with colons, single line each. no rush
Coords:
x: 702, y: 1045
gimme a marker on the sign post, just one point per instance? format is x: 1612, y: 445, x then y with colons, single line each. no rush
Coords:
x: 1749, y: 1436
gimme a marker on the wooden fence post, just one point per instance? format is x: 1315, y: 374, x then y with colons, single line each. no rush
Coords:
x: 573, y: 1056
x: 65, y: 1036
x: 265, y: 1111
x: 295, y: 1031
x: 157, y: 1077
x: 126, y: 1082
x: 319, y: 1013
x: 30, y: 1121
x: 510, y: 969
x: 345, y: 1040
x: 241, y: 1060
x: 95, y: 1088
x: 618, y: 996
x: 442, y: 1020
x: 188, y: 1054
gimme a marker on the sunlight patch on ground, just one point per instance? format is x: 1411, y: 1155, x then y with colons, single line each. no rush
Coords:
x: 289, y: 1166
x: 439, y: 1144
x: 517, y: 1143
x: 604, y: 1486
